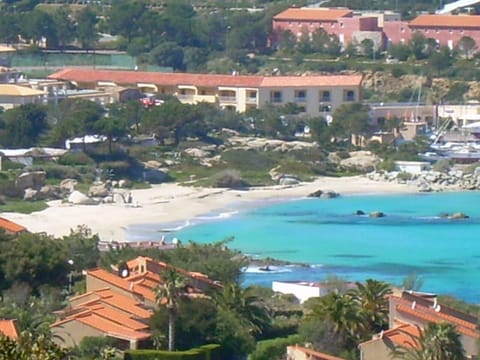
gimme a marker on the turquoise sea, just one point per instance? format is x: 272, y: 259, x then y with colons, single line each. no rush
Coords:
x: 325, y: 233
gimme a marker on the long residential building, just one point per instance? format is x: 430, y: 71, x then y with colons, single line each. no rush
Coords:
x: 314, y: 94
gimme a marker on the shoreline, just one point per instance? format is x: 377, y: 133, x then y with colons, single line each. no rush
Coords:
x: 169, y: 203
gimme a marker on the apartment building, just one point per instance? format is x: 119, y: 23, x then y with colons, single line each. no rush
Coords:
x: 315, y: 94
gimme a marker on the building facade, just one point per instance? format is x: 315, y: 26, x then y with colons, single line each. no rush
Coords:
x: 384, y: 29
x: 316, y: 95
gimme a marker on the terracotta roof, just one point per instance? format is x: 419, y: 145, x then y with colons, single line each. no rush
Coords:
x: 112, y: 323
x: 402, y: 335
x: 122, y: 283
x: 314, y: 355
x: 9, y: 329
x: 165, y: 79
x: 205, y: 80
x: 452, y: 21
x: 10, y: 226
x: 16, y: 90
x: 312, y: 14
x: 113, y: 299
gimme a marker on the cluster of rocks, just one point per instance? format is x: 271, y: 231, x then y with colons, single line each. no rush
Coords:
x: 33, y: 186
x: 263, y: 144
x: 328, y: 194
x: 359, y: 161
x: 432, y: 180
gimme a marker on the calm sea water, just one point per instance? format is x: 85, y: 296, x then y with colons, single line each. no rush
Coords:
x: 324, y: 233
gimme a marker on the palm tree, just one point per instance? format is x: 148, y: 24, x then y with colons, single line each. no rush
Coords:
x: 167, y: 294
x: 245, y: 306
x: 342, y: 312
x: 436, y: 342
x: 372, y: 298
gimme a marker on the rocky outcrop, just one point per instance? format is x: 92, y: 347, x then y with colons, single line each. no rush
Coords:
x: 78, y: 198
x: 430, y: 180
x: 361, y: 161
x: 32, y: 180
x: 328, y: 194
x: 288, y: 180
x: 377, y: 214
x: 68, y: 185
x: 262, y: 144
x: 99, y: 190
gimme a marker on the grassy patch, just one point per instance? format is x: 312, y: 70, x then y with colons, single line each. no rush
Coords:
x: 22, y: 206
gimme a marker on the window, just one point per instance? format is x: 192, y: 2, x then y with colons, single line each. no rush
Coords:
x: 300, y: 95
x: 325, y: 95
x: 325, y: 108
x: 349, y: 95
x: 276, y: 97
x: 252, y: 95
x: 341, y: 24
x: 402, y: 29
x: 381, y: 121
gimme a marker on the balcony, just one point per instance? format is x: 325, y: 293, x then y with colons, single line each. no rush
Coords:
x: 300, y: 99
x: 227, y: 99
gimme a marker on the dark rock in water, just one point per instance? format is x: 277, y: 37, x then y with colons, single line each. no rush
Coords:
x: 359, y: 212
x: 377, y: 214
x: 457, y: 216
x: 317, y: 193
x: 444, y: 215
x: 329, y: 195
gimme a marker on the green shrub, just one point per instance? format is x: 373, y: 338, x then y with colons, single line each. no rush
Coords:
x: 442, y: 165
x: 404, y: 176
x: 8, y: 164
x: 250, y: 160
x: 205, y: 352
x: 118, y: 168
x: 75, y: 158
x: 387, y: 165
x: 273, y: 349
x: 58, y: 171
x: 398, y: 71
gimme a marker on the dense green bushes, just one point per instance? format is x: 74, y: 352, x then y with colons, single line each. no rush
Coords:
x: 205, y: 352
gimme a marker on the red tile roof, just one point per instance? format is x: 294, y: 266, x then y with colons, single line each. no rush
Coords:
x: 158, y: 78
x: 112, y: 323
x: 402, y: 335
x: 202, y: 80
x: 451, y: 21
x: 9, y: 329
x: 10, y: 226
x: 429, y: 314
x: 113, y: 299
x: 123, y: 283
x: 312, y: 14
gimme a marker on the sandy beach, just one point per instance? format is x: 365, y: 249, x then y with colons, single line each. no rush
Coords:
x: 167, y: 203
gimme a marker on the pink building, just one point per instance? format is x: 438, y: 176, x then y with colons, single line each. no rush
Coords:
x: 447, y: 30
x: 339, y: 21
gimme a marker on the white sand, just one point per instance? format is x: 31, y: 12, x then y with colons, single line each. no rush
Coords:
x: 168, y: 203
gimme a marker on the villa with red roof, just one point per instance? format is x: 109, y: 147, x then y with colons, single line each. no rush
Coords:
x: 11, y: 227
x: 408, y: 314
x: 119, y: 304
x: 314, y: 94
